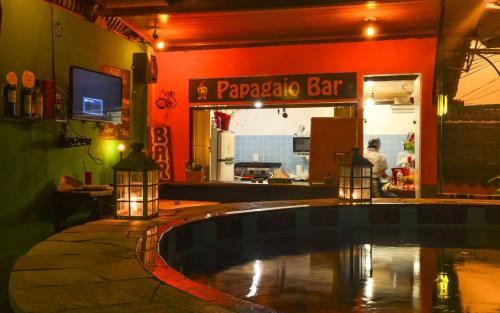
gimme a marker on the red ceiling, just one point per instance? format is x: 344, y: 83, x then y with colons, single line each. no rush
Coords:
x: 339, y: 22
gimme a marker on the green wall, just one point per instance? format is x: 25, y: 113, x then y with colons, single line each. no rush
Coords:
x: 30, y: 162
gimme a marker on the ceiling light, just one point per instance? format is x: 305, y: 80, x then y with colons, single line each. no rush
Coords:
x: 369, y: 84
x: 163, y: 18
x: 370, y: 4
x: 160, y: 45
x: 257, y: 104
x: 493, y: 5
x: 370, y: 31
x: 370, y: 101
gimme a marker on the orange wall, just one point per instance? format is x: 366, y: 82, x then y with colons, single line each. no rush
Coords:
x: 370, y: 57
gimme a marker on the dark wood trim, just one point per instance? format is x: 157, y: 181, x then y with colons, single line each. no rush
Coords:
x: 216, y: 46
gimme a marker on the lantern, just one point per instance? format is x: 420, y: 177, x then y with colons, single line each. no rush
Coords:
x: 136, y: 186
x: 355, y: 184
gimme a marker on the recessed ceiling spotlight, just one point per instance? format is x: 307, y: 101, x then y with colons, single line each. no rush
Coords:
x: 370, y: 29
x: 163, y: 18
x: 369, y: 84
x: 370, y: 101
x: 160, y: 45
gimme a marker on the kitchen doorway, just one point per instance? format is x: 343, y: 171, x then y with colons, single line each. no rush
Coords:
x: 391, y: 112
x: 272, y: 138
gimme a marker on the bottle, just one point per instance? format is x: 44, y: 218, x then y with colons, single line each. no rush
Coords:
x: 38, y: 100
x: 28, y: 82
x: 26, y: 102
x: 10, y: 94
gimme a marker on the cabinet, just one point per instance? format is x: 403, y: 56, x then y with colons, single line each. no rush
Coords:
x: 332, y: 139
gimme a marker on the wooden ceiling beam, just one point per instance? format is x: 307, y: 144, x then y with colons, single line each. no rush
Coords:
x: 229, y: 45
x: 200, y: 6
x: 133, y: 11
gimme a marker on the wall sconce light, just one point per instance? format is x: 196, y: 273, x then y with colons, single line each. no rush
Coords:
x: 121, y: 148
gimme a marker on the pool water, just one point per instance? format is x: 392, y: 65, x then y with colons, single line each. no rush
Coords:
x: 366, y: 278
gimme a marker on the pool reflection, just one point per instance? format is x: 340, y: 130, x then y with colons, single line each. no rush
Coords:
x: 368, y: 278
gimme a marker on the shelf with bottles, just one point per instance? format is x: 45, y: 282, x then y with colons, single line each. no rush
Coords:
x: 21, y: 119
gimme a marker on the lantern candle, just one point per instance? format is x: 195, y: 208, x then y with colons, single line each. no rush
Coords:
x: 136, y: 185
x: 355, y: 180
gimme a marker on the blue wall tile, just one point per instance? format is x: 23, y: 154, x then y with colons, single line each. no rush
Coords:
x: 270, y: 149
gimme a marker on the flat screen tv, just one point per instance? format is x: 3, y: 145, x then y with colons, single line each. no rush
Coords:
x: 301, y: 145
x: 95, y: 96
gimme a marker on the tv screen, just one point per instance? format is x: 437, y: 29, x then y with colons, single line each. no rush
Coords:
x: 301, y: 144
x: 95, y: 96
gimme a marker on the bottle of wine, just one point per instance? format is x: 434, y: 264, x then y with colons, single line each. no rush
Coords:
x: 38, y: 103
x: 28, y: 83
x: 10, y: 99
x: 26, y: 102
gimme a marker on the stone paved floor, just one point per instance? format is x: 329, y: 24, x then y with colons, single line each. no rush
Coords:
x: 93, y: 267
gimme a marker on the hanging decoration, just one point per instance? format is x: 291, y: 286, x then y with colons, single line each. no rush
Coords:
x: 166, y: 100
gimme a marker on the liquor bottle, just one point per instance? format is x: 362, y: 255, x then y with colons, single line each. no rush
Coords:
x: 38, y: 103
x: 26, y: 102
x: 10, y: 99
x: 28, y: 82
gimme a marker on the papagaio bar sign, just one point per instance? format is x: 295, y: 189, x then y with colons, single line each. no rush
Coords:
x: 327, y: 86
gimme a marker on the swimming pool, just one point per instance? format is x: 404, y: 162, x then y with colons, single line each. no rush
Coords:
x: 385, y: 258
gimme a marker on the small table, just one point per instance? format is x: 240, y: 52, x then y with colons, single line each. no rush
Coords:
x: 100, y: 203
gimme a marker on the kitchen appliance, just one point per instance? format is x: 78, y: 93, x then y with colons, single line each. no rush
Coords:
x: 255, y: 170
x: 301, y: 145
x: 221, y: 155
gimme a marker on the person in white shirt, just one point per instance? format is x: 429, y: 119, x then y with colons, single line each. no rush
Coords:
x: 379, y: 165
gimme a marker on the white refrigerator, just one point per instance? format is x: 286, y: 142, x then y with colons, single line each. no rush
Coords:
x: 221, y: 155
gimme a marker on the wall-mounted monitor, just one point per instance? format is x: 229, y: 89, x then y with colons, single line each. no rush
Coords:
x: 95, y: 96
x: 301, y: 145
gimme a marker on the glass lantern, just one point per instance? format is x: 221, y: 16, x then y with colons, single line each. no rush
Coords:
x: 355, y: 179
x: 136, y: 186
